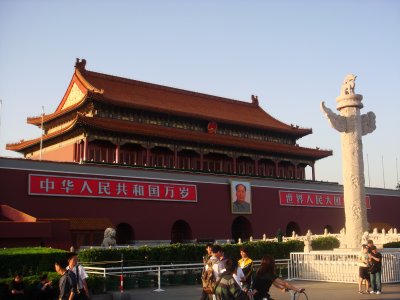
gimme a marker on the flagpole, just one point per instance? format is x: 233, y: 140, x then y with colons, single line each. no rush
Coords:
x: 41, y: 135
x: 369, y: 179
x: 383, y: 174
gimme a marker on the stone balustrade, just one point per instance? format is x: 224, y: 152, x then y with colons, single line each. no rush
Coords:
x: 379, y: 238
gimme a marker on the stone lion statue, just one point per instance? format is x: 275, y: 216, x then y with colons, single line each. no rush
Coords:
x: 109, y: 237
x: 348, y: 85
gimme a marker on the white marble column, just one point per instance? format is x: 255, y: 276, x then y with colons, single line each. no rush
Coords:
x: 352, y: 127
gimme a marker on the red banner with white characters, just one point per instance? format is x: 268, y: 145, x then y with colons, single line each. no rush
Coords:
x: 67, y: 186
x: 312, y: 199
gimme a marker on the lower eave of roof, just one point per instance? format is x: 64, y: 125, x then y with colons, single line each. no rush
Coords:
x: 119, y: 126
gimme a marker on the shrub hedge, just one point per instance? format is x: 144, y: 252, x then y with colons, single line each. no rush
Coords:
x: 35, y: 261
x: 392, y: 245
x: 32, y: 262
x: 30, y: 283
x: 96, y: 284
x: 325, y: 243
x: 186, y: 253
x: 28, y: 261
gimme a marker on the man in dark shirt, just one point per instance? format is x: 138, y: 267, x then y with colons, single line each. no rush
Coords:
x: 67, y: 284
x: 369, y: 245
x: 375, y: 259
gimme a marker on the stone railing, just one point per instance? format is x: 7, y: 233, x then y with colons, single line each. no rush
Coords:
x: 384, y: 237
x: 379, y: 238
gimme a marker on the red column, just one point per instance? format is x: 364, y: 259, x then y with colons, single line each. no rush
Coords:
x: 276, y: 169
x: 313, y: 172
x: 234, y: 164
x: 175, y: 158
x: 256, y: 166
x: 201, y: 161
x: 148, y: 155
x: 117, y: 154
x: 75, y: 152
x: 85, y: 148
x: 295, y: 171
x: 81, y: 147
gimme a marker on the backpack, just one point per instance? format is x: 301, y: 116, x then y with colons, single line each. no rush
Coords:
x: 208, y: 279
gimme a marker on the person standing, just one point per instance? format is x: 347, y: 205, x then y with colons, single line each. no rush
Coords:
x: 375, y: 260
x: 363, y: 272
x: 227, y: 288
x: 238, y: 275
x: 370, y: 243
x: 246, y: 264
x: 209, y: 253
x: 67, y: 284
x: 81, y: 275
x: 216, y: 265
x: 217, y: 255
x: 204, y: 296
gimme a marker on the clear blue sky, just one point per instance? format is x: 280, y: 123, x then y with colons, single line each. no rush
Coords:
x: 292, y: 54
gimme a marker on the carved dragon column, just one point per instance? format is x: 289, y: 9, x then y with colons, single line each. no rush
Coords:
x: 352, y: 127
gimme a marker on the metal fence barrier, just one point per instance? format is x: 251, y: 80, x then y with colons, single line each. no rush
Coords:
x: 339, y: 267
x: 161, y: 270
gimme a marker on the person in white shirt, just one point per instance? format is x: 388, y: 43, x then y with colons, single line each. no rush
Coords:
x: 239, y: 277
x: 217, y: 263
x: 81, y: 275
x: 218, y: 266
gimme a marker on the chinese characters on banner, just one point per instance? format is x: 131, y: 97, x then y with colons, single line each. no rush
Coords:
x: 311, y: 199
x: 110, y: 188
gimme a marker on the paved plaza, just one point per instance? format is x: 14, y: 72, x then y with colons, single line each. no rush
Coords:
x: 315, y: 291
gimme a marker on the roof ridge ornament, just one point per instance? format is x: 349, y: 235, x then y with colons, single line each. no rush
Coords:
x: 80, y: 71
x: 80, y: 64
x: 254, y: 100
x: 348, y: 85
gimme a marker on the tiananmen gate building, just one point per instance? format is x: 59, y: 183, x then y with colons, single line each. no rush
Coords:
x: 161, y: 163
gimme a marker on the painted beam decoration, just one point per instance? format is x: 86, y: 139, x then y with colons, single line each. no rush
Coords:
x: 312, y: 199
x: 67, y: 186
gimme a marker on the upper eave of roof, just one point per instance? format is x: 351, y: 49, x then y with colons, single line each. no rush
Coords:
x: 138, y: 94
x: 84, y: 87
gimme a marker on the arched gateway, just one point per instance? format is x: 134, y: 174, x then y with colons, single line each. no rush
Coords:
x: 125, y: 234
x: 241, y: 228
x: 293, y: 226
x: 181, y: 232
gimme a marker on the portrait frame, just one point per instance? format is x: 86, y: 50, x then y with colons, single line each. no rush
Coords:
x: 246, y: 207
